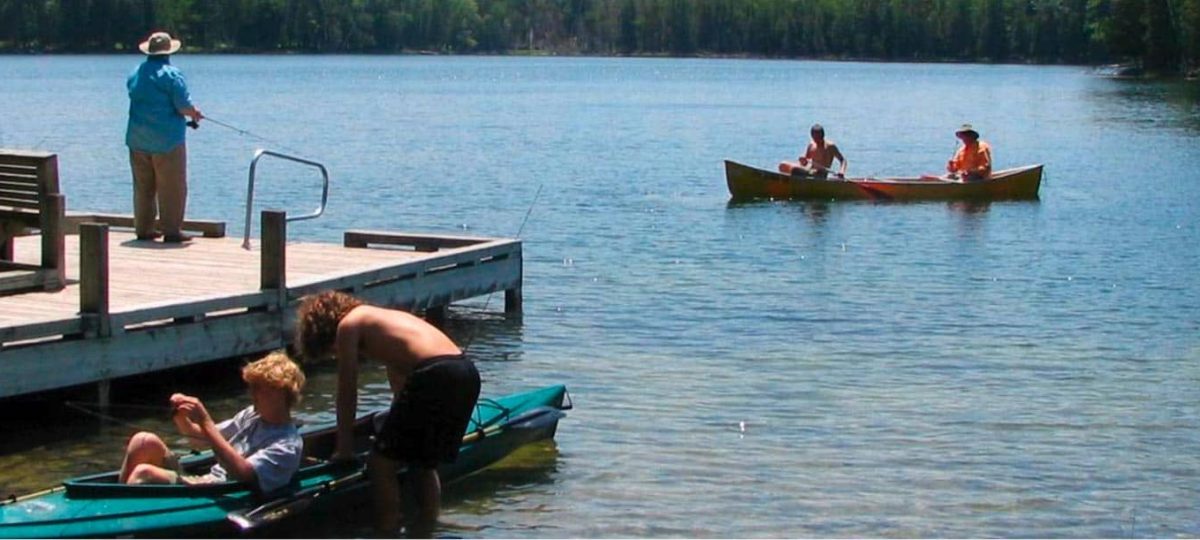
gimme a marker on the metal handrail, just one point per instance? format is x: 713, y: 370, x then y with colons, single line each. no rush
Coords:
x: 258, y: 154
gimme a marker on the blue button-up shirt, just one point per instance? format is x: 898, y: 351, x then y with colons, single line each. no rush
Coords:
x: 157, y: 92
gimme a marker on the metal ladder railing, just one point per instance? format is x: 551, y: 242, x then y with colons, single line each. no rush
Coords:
x: 258, y: 154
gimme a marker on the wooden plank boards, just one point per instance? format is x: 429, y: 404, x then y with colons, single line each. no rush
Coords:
x: 171, y: 305
x: 209, y: 228
x: 31, y: 157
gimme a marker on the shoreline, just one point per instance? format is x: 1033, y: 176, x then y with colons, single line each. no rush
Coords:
x: 548, y: 53
x: 1096, y: 68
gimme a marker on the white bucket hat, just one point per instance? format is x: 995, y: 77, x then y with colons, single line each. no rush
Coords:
x: 160, y: 43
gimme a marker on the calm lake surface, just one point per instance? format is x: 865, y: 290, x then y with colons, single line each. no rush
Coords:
x: 772, y: 369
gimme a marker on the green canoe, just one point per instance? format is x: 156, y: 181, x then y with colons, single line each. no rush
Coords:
x: 97, y: 506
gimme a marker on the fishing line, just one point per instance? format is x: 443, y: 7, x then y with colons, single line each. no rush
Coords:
x: 130, y: 406
x: 196, y: 125
x: 108, y: 418
x: 475, y: 329
x: 478, y: 414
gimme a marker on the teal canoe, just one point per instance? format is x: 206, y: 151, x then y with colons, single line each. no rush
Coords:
x: 97, y: 506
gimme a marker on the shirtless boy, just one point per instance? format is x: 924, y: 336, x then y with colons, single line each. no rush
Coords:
x: 434, y: 391
x: 260, y: 445
x: 817, y: 160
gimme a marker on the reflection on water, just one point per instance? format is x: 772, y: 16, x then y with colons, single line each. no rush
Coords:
x: 468, y: 506
x: 482, y: 329
x: 1147, y: 104
x: 970, y: 208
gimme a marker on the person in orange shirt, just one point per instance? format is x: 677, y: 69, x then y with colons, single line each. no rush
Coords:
x: 973, y: 160
x: 817, y: 161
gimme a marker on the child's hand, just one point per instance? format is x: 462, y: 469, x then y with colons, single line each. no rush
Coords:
x: 194, y: 410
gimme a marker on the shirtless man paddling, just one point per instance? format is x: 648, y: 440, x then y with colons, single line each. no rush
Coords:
x: 817, y: 161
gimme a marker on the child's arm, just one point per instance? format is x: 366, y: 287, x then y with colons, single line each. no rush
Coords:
x: 226, y: 455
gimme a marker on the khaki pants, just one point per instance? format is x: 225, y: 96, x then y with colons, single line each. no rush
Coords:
x: 159, y: 190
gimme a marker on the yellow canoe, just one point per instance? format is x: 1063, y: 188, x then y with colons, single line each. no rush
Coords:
x: 747, y: 182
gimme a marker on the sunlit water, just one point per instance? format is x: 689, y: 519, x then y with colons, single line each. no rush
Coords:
x: 753, y: 370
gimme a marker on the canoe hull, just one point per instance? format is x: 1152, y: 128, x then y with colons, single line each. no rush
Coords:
x: 748, y: 183
x: 95, y: 506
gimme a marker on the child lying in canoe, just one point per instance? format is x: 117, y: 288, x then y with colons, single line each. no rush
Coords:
x: 260, y: 445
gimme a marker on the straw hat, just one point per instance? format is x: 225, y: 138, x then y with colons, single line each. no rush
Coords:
x: 966, y: 128
x: 160, y: 43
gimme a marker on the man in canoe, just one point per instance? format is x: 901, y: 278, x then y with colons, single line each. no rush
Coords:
x: 434, y: 389
x: 973, y: 160
x: 817, y: 161
x: 260, y: 445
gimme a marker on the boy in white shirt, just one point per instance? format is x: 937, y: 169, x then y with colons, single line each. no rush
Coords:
x: 260, y: 445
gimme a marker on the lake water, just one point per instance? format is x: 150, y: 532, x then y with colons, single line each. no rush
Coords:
x: 772, y: 369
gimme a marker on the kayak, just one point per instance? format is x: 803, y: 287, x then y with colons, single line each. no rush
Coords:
x: 98, y: 506
x: 747, y: 183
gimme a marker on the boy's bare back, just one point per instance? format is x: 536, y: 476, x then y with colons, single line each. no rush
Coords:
x: 397, y: 339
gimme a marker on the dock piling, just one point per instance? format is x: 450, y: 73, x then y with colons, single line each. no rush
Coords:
x: 512, y: 301
x: 274, y: 255
x: 104, y: 395
x: 93, y: 279
x: 53, y: 245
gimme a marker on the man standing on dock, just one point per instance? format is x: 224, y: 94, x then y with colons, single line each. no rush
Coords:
x: 157, y: 140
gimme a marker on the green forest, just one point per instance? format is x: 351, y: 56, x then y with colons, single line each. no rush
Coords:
x: 1163, y: 36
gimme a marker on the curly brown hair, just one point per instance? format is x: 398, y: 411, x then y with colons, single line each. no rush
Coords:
x: 276, y: 370
x: 317, y: 321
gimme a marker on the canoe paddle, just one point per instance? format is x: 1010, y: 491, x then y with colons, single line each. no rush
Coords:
x: 274, y: 511
x: 874, y: 193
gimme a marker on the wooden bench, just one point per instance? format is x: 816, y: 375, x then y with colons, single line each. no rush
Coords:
x: 30, y: 199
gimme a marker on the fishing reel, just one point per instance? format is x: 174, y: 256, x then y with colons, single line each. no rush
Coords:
x: 193, y: 124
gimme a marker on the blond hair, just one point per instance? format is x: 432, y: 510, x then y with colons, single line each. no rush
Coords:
x: 276, y: 370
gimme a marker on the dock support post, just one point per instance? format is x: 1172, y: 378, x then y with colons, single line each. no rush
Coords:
x: 104, y: 394
x: 93, y: 279
x: 512, y: 301
x: 512, y: 297
x: 274, y: 255
x: 54, y: 246
x: 436, y: 315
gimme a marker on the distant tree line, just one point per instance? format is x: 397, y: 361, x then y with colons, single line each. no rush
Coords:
x: 1164, y: 35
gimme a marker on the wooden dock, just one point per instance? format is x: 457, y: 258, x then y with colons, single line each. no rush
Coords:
x: 131, y: 307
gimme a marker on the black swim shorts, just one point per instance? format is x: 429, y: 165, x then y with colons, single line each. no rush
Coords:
x: 429, y: 417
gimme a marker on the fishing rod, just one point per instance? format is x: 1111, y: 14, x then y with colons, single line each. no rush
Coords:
x: 194, y: 124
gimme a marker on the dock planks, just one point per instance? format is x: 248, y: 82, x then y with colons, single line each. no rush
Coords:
x: 170, y: 305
